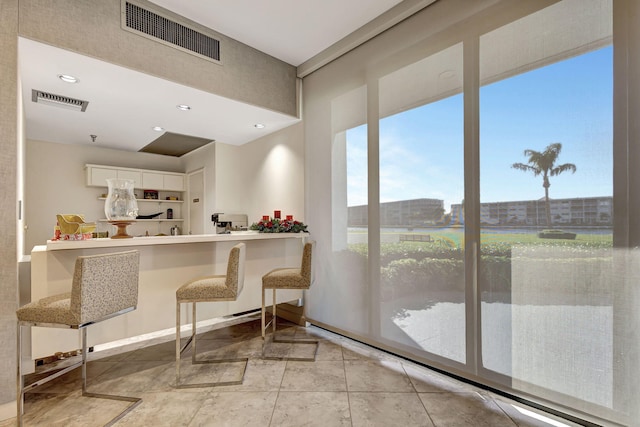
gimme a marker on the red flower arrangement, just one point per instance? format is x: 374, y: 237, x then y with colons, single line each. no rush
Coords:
x: 276, y: 225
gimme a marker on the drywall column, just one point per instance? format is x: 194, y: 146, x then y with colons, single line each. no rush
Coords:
x: 8, y: 198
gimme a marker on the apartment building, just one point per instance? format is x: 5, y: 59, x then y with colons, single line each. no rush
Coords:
x: 578, y: 211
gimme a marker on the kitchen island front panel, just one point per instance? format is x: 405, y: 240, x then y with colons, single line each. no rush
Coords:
x: 164, y: 267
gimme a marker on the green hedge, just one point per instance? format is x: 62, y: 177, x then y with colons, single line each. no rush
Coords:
x: 410, y: 267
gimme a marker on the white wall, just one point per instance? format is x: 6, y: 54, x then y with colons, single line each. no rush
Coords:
x: 255, y: 178
x: 273, y: 170
x: 204, y: 158
x: 55, y: 183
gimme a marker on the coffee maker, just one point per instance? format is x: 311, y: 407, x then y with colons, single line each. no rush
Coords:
x: 226, y: 223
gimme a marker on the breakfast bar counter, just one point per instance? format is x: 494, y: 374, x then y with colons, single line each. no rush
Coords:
x: 234, y: 236
x: 166, y: 262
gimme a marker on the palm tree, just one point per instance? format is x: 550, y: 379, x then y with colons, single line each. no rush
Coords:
x: 543, y: 163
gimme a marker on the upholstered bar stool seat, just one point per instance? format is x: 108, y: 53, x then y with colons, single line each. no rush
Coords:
x: 210, y: 289
x: 104, y: 286
x: 287, y: 278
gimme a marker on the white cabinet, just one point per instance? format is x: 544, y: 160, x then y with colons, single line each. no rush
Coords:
x: 152, y: 181
x: 173, y: 182
x: 142, y: 178
x: 136, y: 176
x: 99, y: 176
x: 163, y: 181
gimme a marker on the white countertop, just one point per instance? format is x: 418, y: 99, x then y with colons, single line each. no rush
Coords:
x: 55, y: 245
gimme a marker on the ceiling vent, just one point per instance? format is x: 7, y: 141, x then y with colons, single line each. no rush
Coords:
x: 162, y: 29
x: 54, y: 100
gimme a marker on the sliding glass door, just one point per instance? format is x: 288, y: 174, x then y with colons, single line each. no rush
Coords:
x: 546, y: 211
x: 422, y: 281
x: 465, y: 213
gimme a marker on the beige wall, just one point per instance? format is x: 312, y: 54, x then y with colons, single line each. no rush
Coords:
x: 263, y: 175
x: 273, y: 170
x: 255, y: 178
x: 92, y: 27
x: 8, y: 197
x: 204, y: 158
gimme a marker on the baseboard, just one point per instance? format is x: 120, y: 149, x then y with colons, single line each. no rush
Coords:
x: 292, y: 313
x: 8, y: 410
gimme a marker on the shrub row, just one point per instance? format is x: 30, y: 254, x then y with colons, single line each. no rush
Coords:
x: 409, y: 268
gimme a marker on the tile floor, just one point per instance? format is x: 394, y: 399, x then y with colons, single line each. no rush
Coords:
x: 349, y: 384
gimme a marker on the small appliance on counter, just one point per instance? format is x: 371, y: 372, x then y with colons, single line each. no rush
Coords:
x: 225, y: 223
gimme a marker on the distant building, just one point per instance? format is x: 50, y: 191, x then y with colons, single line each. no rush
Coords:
x: 576, y: 211
x: 403, y: 213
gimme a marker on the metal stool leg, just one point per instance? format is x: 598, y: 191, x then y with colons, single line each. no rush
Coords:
x: 135, y: 401
x: 193, y: 332
x: 178, y: 349
x: 194, y: 361
x: 263, y: 322
x: 20, y: 397
x: 275, y: 338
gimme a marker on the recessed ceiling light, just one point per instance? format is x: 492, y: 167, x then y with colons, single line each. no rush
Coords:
x: 183, y: 107
x: 158, y: 128
x: 259, y: 126
x: 447, y: 74
x: 68, y: 78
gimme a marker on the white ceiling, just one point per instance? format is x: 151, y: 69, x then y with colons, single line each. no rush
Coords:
x: 291, y: 30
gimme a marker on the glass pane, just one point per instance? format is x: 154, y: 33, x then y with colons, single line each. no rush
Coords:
x: 349, y: 206
x: 547, y: 203
x: 422, y: 285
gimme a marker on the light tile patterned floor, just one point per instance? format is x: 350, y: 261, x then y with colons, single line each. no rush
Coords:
x: 349, y: 384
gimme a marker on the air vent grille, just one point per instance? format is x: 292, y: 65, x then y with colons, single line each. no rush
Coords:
x: 52, y: 99
x: 158, y: 27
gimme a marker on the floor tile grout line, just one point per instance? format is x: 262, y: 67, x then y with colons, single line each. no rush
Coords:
x: 418, y: 394
x: 346, y: 383
x: 275, y: 403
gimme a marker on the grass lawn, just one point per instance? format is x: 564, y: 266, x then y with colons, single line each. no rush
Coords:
x: 454, y: 238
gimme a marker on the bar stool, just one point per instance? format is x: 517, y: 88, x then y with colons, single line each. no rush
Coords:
x: 210, y: 289
x: 287, y: 278
x: 104, y: 286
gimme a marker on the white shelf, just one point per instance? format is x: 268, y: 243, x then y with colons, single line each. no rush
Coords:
x: 156, y: 225
x: 148, y: 220
x: 151, y: 200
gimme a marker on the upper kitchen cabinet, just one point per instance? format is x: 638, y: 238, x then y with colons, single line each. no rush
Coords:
x: 163, y: 181
x: 142, y: 178
x: 97, y: 175
x: 173, y: 182
x: 153, y: 180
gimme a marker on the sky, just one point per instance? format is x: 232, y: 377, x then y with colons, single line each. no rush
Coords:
x: 421, y: 150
